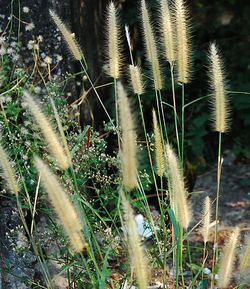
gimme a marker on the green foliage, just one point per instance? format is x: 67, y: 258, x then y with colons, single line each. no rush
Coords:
x: 208, y: 24
x: 94, y: 182
x: 95, y: 171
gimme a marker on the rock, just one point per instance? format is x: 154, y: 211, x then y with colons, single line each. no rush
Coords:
x: 234, y: 202
x: 234, y: 205
x: 17, y: 258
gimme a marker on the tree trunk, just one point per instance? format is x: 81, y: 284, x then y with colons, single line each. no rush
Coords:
x: 88, y: 22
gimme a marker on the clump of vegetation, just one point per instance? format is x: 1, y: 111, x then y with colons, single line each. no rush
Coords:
x: 47, y: 157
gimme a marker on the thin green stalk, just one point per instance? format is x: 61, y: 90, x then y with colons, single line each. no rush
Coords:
x: 77, y: 191
x: 37, y: 251
x: 158, y: 111
x: 182, y: 122
x: 177, y: 261
x: 163, y: 116
x: 151, y: 164
x: 203, y: 262
x: 35, y: 204
x: 12, y: 88
x: 147, y: 142
x: 148, y: 212
x: 181, y: 256
x: 98, y: 97
x: 219, y: 166
x: 196, y: 100
x: 149, y: 154
x: 117, y: 114
x: 189, y: 257
x: 238, y: 92
x: 89, y: 271
x: 111, y: 218
x: 160, y: 201
x: 165, y: 240
x: 175, y: 111
x: 216, y: 249
x: 89, y: 248
x: 174, y: 250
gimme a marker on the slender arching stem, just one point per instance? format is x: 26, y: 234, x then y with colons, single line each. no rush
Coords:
x: 175, y: 111
x: 147, y: 143
x: 163, y: 117
x: 182, y: 122
x: 99, y: 98
x: 219, y: 167
x: 117, y: 114
x: 215, y: 249
x: 158, y: 111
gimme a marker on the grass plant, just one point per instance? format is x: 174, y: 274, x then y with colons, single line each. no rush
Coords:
x: 97, y: 196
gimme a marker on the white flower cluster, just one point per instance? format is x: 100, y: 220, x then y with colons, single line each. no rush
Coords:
x: 26, y: 9
x: 9, y: 49
x: 30, y: 26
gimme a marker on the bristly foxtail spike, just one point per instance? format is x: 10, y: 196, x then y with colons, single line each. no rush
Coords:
x: 206, y: 219
x: 51, y: 137
x: 245, y: 260
x: 179, y: 194
x: 129, y: 147
x: 136, y: 251
x: 113, y: 36
x: 136, y: 79
x: 228, y: 259
x: 70, y: 40
x: 159, y: 150
x: 150, y: 45
x: 167, y: 33
x: 8, y: 172
x: 183, y: 47
x: 64, y: 209
x: 219, y: 103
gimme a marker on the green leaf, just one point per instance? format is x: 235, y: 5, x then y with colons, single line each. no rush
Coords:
x: 105, y: 271
x: 174, y: 222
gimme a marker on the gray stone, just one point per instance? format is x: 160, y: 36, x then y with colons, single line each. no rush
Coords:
x: 16, y: 257
x: 234, y: 200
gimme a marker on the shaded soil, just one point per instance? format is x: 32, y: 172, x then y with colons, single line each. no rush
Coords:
x: 234, y: 207
x: 234, y: 203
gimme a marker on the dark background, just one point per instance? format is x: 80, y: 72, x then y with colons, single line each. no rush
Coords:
x: 226, y: 22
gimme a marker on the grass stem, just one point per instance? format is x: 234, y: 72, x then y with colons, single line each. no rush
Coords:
x: 182, y: 122
x: 175, y: 110
x: 216, y: 242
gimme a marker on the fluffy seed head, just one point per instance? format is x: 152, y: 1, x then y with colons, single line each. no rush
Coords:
x: 182, y: 41
x: 136, y: 79
x: 227, y: 260
x: 8, y: 172
x: 136, y: 253
x: 49, y: 135
x: 114, y: 55
x: 61, y: 131
x: 206, y: 219
x: 159, y: 151
x: 219, y: 100
x: 63, y: 207
x: 129, y: 150
x: 151, y: 47
x: 245, y: 261
x: 178, y: 191
x: 68, y: 37
x: 166, y: 26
